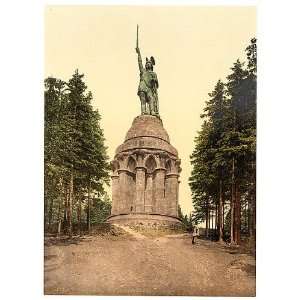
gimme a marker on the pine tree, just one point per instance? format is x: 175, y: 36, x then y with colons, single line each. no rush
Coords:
x: 208, y: 161
x: 251, y: 52
x: 54, y: 135
x: 224, y: 157
x: 76, y: 162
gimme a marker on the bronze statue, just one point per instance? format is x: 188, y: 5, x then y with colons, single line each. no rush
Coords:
x: 148, y: 85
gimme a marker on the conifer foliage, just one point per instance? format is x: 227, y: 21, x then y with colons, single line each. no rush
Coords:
x: 76, y: 164
x: 223, y: 177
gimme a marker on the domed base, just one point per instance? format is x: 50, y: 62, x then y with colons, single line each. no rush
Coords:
x: 143, y: 219
x: 145, y: 176
x: 147, y: 132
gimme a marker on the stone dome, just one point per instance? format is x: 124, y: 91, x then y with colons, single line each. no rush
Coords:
x: 147, y: 132
x: 147, y: 125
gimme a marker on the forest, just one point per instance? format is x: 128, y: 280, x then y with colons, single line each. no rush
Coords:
x: 223, y: 178
x: 76, y: 164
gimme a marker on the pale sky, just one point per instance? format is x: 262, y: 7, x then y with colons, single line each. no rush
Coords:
x: 193, y: 48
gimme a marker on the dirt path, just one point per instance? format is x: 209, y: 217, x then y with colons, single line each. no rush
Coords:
x: 139, y: 265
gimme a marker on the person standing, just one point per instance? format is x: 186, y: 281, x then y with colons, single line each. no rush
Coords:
x: 195, y: 234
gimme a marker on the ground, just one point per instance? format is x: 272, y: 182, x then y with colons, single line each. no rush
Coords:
x: 132, y: 263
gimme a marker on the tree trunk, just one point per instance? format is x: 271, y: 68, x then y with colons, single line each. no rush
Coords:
x: 220, y: 212
x: 60, y: 204
x: 209, y: 223
x: 217, y: 218
x: 50, y: 215
x: 249, y: 216
x: 246, y: 214
x: 45, y: 209
x: 232, y: 204
x: 59, y: 219
x: 206, y: 221
x: 254, y: 217
x: 252, y: 220
x: 71, y: 195
x: 66, y: 205
x: 237, y: 214
x: 252, y: 208
x: 223, y: 214
x: 79, y: 215
x: 216, y: 230
x: 89, y: 207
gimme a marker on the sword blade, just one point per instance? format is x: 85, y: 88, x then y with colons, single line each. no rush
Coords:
x: 137, y: 35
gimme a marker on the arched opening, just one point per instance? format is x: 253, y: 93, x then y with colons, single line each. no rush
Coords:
x: 149, y: 192
x: 131, y: 165
x: 131, y: 185
x: 150, y: 164
x: 168, y: 166
x: 115, y: 166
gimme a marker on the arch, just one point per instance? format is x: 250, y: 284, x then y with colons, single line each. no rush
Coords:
x: 168, y: 166
x: 115, y: 165
x: 131, y: 164
x: 150, y: 164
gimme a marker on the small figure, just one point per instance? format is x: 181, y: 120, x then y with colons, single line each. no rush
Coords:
x: 195, y: 234
x: 147, y: 90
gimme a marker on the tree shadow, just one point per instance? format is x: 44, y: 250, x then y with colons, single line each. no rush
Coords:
x: 50, y: 256
x: 249, y: 269
x: 225, y: 246
x: 63, y: 241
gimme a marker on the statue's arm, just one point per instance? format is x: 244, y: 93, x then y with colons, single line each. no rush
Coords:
x: 139, y: 60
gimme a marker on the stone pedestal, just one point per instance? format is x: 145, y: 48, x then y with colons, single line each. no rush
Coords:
x: 145, y: 176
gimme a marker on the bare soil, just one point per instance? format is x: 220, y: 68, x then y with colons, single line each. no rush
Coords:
x: 127, y: 262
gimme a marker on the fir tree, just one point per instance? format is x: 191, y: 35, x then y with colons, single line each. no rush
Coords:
x: 76, y: 162
x: 224, y: 156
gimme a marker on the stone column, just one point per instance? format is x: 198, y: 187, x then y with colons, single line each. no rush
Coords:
x: 140, y: 190
x: 123, y: 191
x: 131, y: 193
x: 159, y: 190
x: 172, y: 194
x: 177, y: 197
x: 115, y: 194
x: 149, y: 194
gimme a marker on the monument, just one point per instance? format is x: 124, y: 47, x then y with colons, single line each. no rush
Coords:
x: 146, y: 166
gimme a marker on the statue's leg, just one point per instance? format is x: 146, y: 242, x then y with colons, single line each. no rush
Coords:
x: 147, y: 104
x: 151, y: 104
x: 156, y: 105
x: 143, y: 103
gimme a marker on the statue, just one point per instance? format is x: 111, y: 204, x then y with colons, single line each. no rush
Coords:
x: 147, y: 90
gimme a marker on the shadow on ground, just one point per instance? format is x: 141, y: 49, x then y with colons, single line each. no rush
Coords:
x: 63, y: 241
